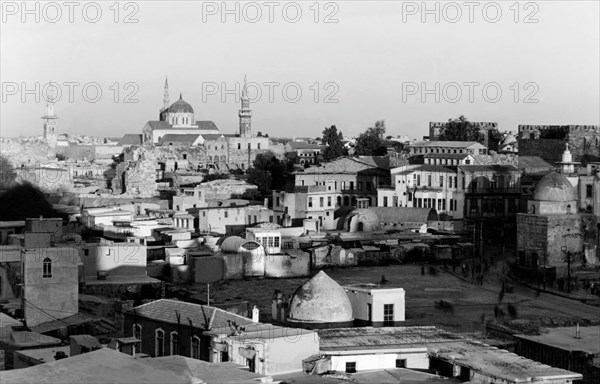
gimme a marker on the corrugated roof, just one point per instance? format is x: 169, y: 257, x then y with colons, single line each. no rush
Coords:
x: 166, y: 310
x: 533, y: 162
x: 428, y: 168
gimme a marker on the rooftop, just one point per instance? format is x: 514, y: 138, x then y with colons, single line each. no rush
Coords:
x: 564, y: 338
x: 202, y: 316
x: 45, y: 355
x: 447, y: 144
x: 222, y: 373
x: 100, y: 366
x: 499, y: 363
x: 347, y: 339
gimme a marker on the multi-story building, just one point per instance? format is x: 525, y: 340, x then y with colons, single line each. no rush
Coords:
x: 308, y: 202
x: 302, y: 152
x: 425, y: 186
x: 350, y: 178
x: 221, y: 214
x: 491, y: 194
x: 197, y: 196
x: 489, y: 130
x: 448, y: 148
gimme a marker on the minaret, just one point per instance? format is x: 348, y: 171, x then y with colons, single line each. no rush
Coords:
x: 49, y: 125
x: 166, y: 96
x: 567, y: 165
x: 245, y: 113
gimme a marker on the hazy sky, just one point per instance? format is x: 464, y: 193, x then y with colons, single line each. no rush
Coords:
x: 372, y: 64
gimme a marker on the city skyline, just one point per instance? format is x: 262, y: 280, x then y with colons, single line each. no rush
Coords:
x: 366, y: 70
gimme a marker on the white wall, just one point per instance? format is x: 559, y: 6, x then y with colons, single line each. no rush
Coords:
x: 416, y: 358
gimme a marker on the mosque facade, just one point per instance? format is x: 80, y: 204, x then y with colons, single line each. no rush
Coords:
x: 177, y: 127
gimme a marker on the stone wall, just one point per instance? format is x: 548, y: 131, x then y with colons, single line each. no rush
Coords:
x: 548, y: 141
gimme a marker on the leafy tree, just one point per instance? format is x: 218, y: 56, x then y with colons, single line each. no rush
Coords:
x: 372, y: 142
x: 7, y: 172
x: 334, y: 148
x: 461, y: 129
x: 268, y: 172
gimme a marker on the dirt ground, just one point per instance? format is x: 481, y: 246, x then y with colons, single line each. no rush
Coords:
x: 471, y: 304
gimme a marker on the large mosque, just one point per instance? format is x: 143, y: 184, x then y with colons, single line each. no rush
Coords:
x: 177, y: 126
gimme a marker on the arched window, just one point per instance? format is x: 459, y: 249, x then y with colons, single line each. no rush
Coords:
x: 569, y: 209
x: 47, y: 267
x: 195, y: 352
x: 159, y: 343
x: 174, y: 343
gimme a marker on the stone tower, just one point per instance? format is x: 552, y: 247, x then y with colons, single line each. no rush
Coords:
x: 166, y: 102
x: 49, y: 125
x: 245, y: 113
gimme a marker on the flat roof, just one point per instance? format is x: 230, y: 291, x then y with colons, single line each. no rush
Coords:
x: 261, y: 331
x: 44, y: 355
x: 498, y: 363
x: 223, y: 373
x: 346, y: 339
x: 564, y: 338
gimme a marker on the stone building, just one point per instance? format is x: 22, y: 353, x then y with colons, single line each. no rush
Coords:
x: 553, y: 233
x: 548, y: 141
x: 137, y: 174
x: 491, y: 135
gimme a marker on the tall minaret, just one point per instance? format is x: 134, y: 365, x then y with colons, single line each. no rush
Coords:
x: 166, y: 96
x: 245, y: 113
x: 50, y: 120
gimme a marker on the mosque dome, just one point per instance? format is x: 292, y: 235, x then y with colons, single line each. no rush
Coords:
x: 554, y: 187
x: 320, y: 300
x: 181, y: 106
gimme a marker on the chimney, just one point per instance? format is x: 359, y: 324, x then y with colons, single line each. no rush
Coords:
x: 577, y: 332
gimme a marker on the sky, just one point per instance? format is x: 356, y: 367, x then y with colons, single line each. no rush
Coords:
x: 309, y: 65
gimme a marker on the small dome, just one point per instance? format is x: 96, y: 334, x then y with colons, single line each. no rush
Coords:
x: 554, y: 187
x: 320, y: 300
x: 181, y: 106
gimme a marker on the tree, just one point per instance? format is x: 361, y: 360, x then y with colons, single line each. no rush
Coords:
x: 332, y: 140
x: 461, y: 129
x: 371, y: 142
x: 23, y: 201
x: 268, y: 172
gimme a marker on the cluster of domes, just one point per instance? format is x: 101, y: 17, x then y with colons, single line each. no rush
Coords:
x: 320, y: 300
x: 555, y: 187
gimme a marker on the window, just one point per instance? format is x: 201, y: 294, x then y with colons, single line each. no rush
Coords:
x: 351, y: 367
x: 321, y: 199
x: 419, y: 180
x: 271, y: 241
x: 360, y: 185
x: 385, y: 201
x: 249, y: 146
x: 195, y: 353
x: 159, y: 343
x: 226, y: 214
x: 441, y: 181
x: 400, y: 363
x: 137, y: 333
x: 258, y: 145
x: 369, y: 186
x: 276, y: 242
x: 310, y: 203
x: 589, y: 191
x: 429, y: 180
x: 329, y: 201
x: 388, y: 314
x: 174, y: 343
x: 47, y: 268
x: 352, y: 185
x: 369, y: 312
x: 239, y: 145
x: 86, y: 252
